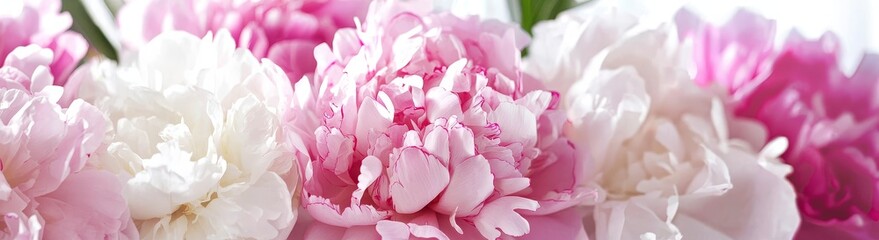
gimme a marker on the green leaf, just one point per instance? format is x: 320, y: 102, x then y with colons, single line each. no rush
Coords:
x: 92, y: 19
x: 534, y: 11
x: 530, y: 12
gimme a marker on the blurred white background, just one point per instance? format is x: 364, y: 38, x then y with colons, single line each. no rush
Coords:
x: 855, y: 22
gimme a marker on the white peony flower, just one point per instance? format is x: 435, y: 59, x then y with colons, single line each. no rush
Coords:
x: 669, y: 159
x: 197, y: 138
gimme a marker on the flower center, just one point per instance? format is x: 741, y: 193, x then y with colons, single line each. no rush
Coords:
x: 654, y: 159
x: 188, y: 209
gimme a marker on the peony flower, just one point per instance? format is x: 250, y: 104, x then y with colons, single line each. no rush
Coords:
x: 422, y: 125
x: 285, y: 31
x: 197, y: 139
x: 730, y: 55
x: 47, y: 188
x: 832, y: 120
x: 664, y: 154
x: 40, y: 22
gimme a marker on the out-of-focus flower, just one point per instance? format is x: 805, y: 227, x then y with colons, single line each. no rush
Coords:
x: 423, y: 125
x: 799, y: 92
x: 661, y: 146
x: 47, y: 188
x: 40, y: 22
x: 285, y: 31
x: 730, y: 55
x: 197, y: 139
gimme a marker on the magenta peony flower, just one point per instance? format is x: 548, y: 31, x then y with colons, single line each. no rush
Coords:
x: 831, y: 120
x: 40, y: 22
x: 47, y: 188
x: 422, y: 125
x: 285, y: 31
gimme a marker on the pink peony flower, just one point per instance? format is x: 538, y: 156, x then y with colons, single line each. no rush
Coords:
x: 47, y: 188
x: 40, y: 22
x: 730, y: 55
x: 284, y: 31
x: 831, y: 120
x: 422, y: 125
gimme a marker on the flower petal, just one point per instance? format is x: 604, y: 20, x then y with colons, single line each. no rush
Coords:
x: 500, y: 215
x: 471, y: 183
x: 370, y: 169
x: 517, y: 123
x: 323, y: 210
x: 393, y: 230
x: 416, y: 179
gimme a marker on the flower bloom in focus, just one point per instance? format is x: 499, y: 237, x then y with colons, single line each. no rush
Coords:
x: 196, y: 138
x: 664, y: 157
x: 830, y: 118
x: 285, y: 31
x: 47, y: 187
x: 40, y: 22
x: 422, y: 125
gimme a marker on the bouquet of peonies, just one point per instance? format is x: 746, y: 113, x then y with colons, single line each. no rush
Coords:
x: 387, y: 119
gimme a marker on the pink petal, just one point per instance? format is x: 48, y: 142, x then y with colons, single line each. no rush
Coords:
x: 325, y: 211
x: 500, y: 214
x: 509, y: 186
x: 436, y: 141
x: 461, y: 142
x: 393, y: 230
x: 556, y: 176
x: 442, y: 104
x: 68, y: 48
x: 460, y: 230
x: 321, y: 231
x: 5, y: 188
x: 416, y: 179
x: 536, y: 101
x: 335, y: 150
x: 567, y: 224
x: 517, y: 123
x: 295, y: 57
x: 470, y: 185
x: 404, y: 49
x: 16, y: 226
x: 360, y: 233
x: 323, y: 57
x: 426, y: 231
x: 88, y: 205
x: 370, y: 169
x: 254, y: 37
x: 28, y: 58
x: 373, y: 116
x: 454, y: 80
x: 345, y: 43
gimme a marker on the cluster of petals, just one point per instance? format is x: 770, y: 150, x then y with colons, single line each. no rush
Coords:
x: 196, y: 138
x: 285, y: 31
x: 47, y: 187
x: 799, y: 92
x: 670, y: 160
x: 40, y: 22
x: 422, y: 125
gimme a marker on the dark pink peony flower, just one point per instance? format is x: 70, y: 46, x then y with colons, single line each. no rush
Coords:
x: 284, y: 31
x: 799, y: 92
x: 423, y: 125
